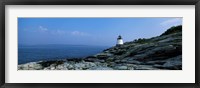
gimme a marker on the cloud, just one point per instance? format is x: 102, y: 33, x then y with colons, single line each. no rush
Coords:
x: 78, y: 33
x: 42, y: 28
x: 60, y: 32
x: 175, y: 21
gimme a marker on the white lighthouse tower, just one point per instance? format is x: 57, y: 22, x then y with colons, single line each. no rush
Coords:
x: 119, y: 40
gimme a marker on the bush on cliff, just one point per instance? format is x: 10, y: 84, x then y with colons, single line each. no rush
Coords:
x: 173, y: 29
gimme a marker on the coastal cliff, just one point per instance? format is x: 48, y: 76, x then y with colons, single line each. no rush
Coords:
x: 156, y: 53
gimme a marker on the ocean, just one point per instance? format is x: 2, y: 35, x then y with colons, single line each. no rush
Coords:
x: 33, y: 53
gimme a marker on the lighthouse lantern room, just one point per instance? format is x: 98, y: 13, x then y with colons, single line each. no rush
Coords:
x: 119, y: 40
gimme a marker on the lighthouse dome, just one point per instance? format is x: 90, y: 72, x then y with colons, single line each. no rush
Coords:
x: 119, y: 40
x: 119, y: 37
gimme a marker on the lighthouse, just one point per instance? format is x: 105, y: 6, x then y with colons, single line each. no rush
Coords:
x: 119, y: 40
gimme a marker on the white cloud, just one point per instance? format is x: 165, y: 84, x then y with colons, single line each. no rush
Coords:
x: 42, y: 28
x: 60, y: 32
x: 174, y: 21
x: 78, y: 33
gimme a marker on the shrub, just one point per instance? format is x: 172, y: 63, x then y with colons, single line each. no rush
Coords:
x: 48, y: 63
x: 141, y: 40
x: 173, y: 29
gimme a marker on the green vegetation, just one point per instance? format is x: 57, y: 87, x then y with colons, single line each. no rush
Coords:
x: 173, y: 29
x: 141, y: 40
x: 48, y: 63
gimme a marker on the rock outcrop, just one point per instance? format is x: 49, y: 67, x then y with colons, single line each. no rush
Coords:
x: 161, y: 52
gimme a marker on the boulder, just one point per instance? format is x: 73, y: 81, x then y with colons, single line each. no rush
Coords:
x: 30, y: 66
x: 144, y: 67
x: 103, y: 55
x: 121, y: 68
x: 174, y: 63
x: 100, y: 68
x: 133, y: 62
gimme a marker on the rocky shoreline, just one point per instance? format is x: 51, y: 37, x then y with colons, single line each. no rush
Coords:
x: 163, y: 52
x: 82, y: 65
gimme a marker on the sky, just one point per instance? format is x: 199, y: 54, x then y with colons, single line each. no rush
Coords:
x: 90, y: 31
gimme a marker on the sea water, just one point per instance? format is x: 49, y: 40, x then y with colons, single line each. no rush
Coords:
x: 32, y: 53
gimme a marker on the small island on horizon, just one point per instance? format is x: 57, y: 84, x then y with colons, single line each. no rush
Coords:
x: 163, y: 52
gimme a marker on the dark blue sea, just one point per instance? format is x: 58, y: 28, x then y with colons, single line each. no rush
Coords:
x: 32, y: 53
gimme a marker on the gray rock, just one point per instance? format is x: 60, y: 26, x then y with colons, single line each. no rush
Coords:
x: 102, y: 61
x: 103, y: 55
x: 110, y: 59
x: 161, y: 62
x: 70, y: 67
x: 121, y: 67
x: 91, y: 59
x: 79, y: 65
x: 167, y: 39
x: 100, y: 68
x: 89, y: 64
x: 157, y: 66
x: 145, y: 67
x: 30, y: 66
x: 66, y: 64
x: 123, y: 60
x: 111, y: 64
x: 174, y: 63
x: 52, y: 68
x: 117, y: 61
x: 134, y: 62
